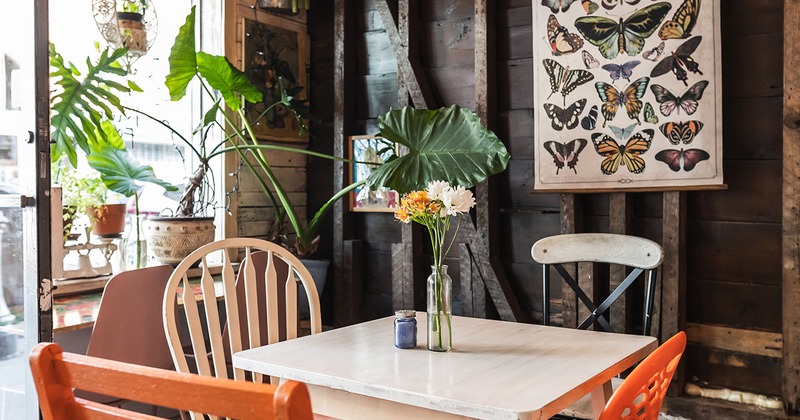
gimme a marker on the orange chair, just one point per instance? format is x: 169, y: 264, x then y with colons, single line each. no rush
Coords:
x: 641, y: 394
x: 55, y: 373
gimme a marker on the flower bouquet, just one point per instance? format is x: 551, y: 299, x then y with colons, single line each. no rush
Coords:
x: 432, y: 208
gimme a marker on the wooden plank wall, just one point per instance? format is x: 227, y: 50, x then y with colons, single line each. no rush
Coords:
x: 731, y: 251
x: 254, y: 213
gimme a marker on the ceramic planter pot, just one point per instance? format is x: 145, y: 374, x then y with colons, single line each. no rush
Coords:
x: 171, y: 239
x: 132, y: 32
x: 109, y: 219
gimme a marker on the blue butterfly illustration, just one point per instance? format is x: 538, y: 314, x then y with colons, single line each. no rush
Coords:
x: 621, y: 70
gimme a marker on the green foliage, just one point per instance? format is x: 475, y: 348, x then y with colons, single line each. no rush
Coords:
x: 447, y: 144
x: 82, y: 191
x: 81, y: 104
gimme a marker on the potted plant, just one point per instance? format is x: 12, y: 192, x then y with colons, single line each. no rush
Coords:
x: 81, y: 109
x: 448, y: 144
x: 88, y: 194
x: 130, y: 21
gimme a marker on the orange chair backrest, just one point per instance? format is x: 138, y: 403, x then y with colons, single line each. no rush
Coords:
x: 641, y: 394
x: 56, y: 373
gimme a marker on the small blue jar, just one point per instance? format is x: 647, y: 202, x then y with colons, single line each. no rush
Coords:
x: 405, y: 329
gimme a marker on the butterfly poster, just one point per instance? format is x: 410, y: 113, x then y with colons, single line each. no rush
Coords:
x: 627, y: 95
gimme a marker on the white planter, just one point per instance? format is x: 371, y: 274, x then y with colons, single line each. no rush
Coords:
x: 171, y: 239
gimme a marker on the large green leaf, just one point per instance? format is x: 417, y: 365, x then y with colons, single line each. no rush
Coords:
x: 80, y: 105
x: 120, y: 172
x: 230, y: 82
x: 182, y: 60
x: 448, y: 144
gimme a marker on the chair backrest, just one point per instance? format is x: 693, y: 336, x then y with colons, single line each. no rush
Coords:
x: 641, y: 394
x: 129, y: 326
x: 56, y: 373
x: 642, y: 255
x: 206, y: 331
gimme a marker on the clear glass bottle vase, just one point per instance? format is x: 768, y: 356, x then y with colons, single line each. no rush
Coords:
x: 440, y: 286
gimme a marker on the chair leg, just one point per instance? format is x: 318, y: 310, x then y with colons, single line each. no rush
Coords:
x: 545, y: 295
x: 650, y: 291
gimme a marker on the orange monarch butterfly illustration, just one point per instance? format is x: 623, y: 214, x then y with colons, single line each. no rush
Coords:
x: 628, y: 155
x: 630, y: 98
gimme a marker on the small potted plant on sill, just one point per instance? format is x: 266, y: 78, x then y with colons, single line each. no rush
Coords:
x: 87, y: 193
x: 130, y: 21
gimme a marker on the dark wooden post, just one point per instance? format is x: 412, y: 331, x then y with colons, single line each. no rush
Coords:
x: 620, y: 215
x: 673, y: 275
x: 791, y: 206
x: 345, y: 309
x: 571, y: 217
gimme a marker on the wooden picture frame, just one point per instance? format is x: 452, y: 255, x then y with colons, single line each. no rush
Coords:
x: 638, y: 111
x: 364, y: 148
x: 272, y: 49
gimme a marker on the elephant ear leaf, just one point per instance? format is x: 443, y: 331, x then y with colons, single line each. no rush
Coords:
x: 448, y: 144
x: 182, y: 60
x: 120, y: 172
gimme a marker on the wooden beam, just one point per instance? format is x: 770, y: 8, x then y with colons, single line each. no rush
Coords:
x: 342, y: 110
x: 482, y: 238
x: 406, y: 254
x: 570, y: 218
x: 791, y: 206
x: 620, y: 218
x: 744, y: 341
x: 673, y: 275
x: 411, y: 72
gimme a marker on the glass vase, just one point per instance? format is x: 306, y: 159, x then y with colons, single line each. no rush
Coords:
x: 440, y: 286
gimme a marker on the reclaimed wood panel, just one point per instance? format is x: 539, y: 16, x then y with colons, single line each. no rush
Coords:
x: 739, y: 81
x: 735, y: 252
x: 452, y: 44
x: 739, y: 340
x: 791, y: 209
x: 740, y: 371
x: 735, y: 305
x: 748, y: 198
x: 515, y: 84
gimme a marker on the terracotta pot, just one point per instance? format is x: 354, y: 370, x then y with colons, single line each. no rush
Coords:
x: 171, y: 239
x: 109, y: 219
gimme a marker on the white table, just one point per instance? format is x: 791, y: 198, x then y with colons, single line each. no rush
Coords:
x: 499, y: 370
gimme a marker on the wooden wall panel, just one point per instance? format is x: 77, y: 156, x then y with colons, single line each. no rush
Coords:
x: 733, y: 255
x: 727, y: 369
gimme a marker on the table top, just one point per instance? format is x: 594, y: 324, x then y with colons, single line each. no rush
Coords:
x: 496, y: 369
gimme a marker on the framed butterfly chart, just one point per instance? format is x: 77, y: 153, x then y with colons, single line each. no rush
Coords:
x: 627, y: 95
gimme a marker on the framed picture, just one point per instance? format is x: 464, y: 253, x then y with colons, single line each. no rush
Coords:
x: 365, y: 149
x: 627, y: 95
x: 275, y: 57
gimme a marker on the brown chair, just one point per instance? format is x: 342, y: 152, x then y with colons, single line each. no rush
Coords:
x: 642, y: 393
x: 56, y: 373
x: 128, y: 326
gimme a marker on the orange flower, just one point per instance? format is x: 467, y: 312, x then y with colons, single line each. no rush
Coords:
x: 402, y: 215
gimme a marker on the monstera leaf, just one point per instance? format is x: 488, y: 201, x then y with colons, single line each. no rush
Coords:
x: 118, y: 170
x: 185, y: 62
x: 83, y: 103
x: 448, y: 144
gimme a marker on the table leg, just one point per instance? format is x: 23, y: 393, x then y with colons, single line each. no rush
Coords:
x: 600, y: 396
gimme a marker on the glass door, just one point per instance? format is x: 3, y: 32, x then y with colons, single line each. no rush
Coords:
x: 25, y: 302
